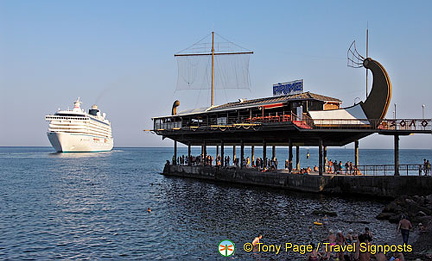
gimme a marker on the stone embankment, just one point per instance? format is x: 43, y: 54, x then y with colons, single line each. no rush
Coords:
x: 374, y: 186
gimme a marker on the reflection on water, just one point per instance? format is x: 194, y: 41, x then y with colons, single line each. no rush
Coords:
x: 94, y: 206
x: 82, y: 154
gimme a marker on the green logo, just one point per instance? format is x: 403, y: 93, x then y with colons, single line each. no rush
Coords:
x: 226, y: 247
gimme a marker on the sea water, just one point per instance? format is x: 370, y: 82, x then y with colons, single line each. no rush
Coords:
x: 94, y: 206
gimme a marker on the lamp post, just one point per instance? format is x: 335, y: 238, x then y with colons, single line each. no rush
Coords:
x: 395, y: 111
x: 423, y: 107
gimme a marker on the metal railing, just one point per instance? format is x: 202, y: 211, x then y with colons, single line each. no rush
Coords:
x: 306, y: 122
x: 389, y: 170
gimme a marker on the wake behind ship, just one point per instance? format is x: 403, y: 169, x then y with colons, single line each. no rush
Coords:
x: 77, y: 131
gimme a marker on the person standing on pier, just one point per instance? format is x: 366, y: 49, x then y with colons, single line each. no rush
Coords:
x: 404, y: 227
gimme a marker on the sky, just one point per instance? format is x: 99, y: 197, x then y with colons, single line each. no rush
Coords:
x: 119, y: 54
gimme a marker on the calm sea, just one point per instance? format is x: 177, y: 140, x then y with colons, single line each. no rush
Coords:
x: 94, y: 206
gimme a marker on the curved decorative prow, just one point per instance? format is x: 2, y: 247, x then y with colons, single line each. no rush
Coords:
x: 174, y: 107
x: 378, y: 100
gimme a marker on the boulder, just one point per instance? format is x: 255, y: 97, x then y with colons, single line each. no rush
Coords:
x: 395, y: 218
x: 384, y: 215
x: 421, y: 214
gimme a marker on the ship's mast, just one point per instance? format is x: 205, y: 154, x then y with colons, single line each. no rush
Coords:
x: 213, y: 54
x: 367, y: 55
x: 213, y: 72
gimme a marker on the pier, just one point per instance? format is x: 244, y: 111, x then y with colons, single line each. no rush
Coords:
x: 293, y: 118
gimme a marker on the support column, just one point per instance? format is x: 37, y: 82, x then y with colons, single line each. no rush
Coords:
x: 396, y: 154
x: 204, y: 152
x: 241, y: 153
x: 325, y: 154
x: 325, y: 159
x: 189, y: 154
x: 290, y: 156
x: 356, y: 153
x: 290, y: 151
x: 264, y: 153
x: 320, y: 150
x: 175, y: 153
x: 252, y: 154
x: 273, y: 152
x: 217, y: 155
x: 298, y: 157
x: 222, y: 154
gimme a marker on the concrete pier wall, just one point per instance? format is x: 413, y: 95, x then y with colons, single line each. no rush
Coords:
x: 379, y: 186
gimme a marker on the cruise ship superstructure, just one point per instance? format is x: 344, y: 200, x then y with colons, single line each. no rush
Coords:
x: 77, y: 131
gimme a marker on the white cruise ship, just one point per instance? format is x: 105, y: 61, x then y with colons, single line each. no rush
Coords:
x: 78, y: 131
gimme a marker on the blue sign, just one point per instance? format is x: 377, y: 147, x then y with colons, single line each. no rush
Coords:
x: 288, y: 88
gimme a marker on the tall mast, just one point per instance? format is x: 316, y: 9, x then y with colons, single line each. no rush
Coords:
x: 367, y: 55
x: 213, y: 54
x: 213, y: 71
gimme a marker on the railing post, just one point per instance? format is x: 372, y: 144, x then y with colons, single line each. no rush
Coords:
x: 320, y: 148
x: 396, y: 155
x: 189, y: 154
x: 356, y: 153
x: 241, y: 153
x: 264, y: 154
x: 222, y: 158
x: 175, y: 153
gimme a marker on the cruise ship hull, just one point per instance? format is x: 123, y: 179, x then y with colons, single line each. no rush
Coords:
x: 70, y: 142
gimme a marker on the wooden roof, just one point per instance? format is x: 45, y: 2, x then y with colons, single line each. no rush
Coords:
x: 245, y: 104
x: 278, y: 99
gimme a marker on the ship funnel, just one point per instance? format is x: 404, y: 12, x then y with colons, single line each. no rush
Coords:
x: 94, y: 110
x: 174, y: 107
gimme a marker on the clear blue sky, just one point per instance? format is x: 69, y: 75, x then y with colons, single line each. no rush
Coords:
x: 120, y: 54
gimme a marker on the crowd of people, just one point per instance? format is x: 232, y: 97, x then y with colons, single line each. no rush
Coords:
x: 208, y: 160
x: 335, y: 167
x: 268, y: 164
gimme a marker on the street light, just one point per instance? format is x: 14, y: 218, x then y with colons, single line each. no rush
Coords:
x: 423, y: 106
x: 395, y: 111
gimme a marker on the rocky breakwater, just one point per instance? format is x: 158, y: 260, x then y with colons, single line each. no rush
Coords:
x: 418, y: 209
